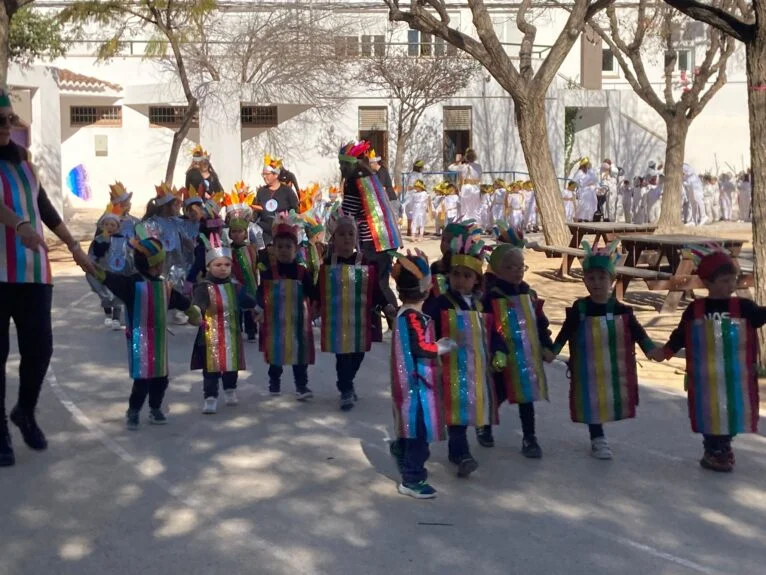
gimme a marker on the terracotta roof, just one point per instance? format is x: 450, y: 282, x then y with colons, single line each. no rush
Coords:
x: 69, y: 80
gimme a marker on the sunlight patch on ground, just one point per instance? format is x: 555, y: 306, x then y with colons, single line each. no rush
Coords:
x: 75, y: 548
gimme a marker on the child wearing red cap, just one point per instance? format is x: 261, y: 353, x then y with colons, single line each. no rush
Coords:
x: 719, y: 335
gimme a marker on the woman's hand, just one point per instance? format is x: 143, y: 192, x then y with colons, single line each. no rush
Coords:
x: 29, y: 237
x: 82, y: 259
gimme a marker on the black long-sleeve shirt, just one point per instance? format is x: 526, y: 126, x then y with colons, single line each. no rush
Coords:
x: 385, y: 180
x: 286, y: 200
x: 503, y: 288
x: 292, y: 271
x: 754, y: 314
x: 212, y: 184
x: 15, y: 154
x: 593, y: 309
x: 417, y: 323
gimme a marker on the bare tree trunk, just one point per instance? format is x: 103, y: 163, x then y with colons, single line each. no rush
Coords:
x: 401, y: 143
x: 533, y: 133
x: 5, y: 35
x: 178, y: 140
x: 756, y: 100
x: 677, y: 128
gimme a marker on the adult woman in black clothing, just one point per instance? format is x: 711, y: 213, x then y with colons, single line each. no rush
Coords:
x: 25, y: 282
x: 274, y: 197
x: 287, y: 178
x: 202, y: 172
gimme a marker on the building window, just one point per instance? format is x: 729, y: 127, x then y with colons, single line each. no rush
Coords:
x: 170, y: 116
x: 607, y: 61
x: 373, y: 46
x: 684, y: 60
x: 347, y: 46
x: 259, y: 116
x: 373, y: 127
x: 426, y: 46
x: 110, y: 116
x: 413, y: 41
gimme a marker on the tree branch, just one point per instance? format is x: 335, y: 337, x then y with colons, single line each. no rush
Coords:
x: 716, y: 17
x: 527, y: 42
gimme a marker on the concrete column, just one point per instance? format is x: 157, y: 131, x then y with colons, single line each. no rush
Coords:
x: 45, y: 135
x: 610, y: 128
x: 554, y: 107
x: 221, y: 130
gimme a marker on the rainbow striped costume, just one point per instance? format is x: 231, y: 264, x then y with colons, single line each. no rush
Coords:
x: 515, y: 321
x: 469, y: 396
x: 244, y: 267
x: 223, y: 339
x: 722, y: 382
x: 346, y: 293
x: 287, y: 337
x: 604, y: 382
x: 415, y: 382
x: 19, y: 189
x: 439, y: 284
x: 147, y: 343
x: 380, y: 216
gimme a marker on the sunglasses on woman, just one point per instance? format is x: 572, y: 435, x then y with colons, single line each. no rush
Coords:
x: 8, y: 120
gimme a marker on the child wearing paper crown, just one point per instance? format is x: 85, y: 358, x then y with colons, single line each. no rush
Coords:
x: 218, y: 350
x: 466, y: 378
x: 417, y: 202
x: 440, y: 268
x: 286, y: 296
x: 415, y: 391
x: 519, y: 335
x: 147, y: 296
x: 602, y: 334
x: 109, y: 249
x: 719, y: 334
x: 349, y: 296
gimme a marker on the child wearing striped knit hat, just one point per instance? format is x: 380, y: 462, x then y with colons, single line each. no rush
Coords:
x: 719, y: 334
x: 602, y: 335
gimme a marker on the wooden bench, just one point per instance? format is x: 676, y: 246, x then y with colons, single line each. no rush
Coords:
x: 627, y: 273
x: 567, y: 254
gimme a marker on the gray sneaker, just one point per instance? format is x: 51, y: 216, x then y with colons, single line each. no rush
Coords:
x: 156, y: 417
x: 131, y: 419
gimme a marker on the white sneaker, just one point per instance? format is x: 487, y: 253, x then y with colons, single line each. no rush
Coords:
x: 179, y: 318
x: 210, y: 406
x: 108, y: 322
x: 231, y: 396
x: 116, y: 325
x: 599, y: 448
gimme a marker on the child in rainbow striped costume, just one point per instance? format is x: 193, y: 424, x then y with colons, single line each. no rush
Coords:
x: 519, y: 335
x: 147, y: 296
x: 602, y: 335
x: 218, y: 350
x: 440, y: 268
x: 466, y: 379
x: 415, y: 390
x: 349, y: 295
x: 286, y: 298
x: 719, y: 335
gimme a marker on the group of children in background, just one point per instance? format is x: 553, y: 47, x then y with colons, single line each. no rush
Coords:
x: 466, y: 338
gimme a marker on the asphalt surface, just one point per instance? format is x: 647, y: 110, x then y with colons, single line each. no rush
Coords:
x: 273, y: 486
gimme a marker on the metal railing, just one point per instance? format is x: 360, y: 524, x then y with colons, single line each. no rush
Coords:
x: 431, y: 179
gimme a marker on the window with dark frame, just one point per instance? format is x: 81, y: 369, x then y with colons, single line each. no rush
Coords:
x: 413, y: 43
x: 425, y: 45
x: 347, y: 46
x: 683, y: 60
x: 107, y: 116
x: 607, y: 60
x: 379, y: 44
x: 170, y: 116
x: 260, y: 116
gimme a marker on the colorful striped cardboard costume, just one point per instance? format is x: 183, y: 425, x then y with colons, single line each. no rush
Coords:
x: 147, y: 325
x: 287, y: 337
x: 222, y: 337
x: 380, y: 216
x: 245, y: 267
x: 604, y: 382
x: 414, y: 383
x: 469, y: 396
x: 19, y: 189
x: 515, y: 320
x: 722, y: 382
x: 346, y: 293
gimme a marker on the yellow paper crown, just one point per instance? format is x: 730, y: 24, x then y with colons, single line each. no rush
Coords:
x: 199, y: 152
x: 118, y: 193
x: 272, y: 162
x: 419, y: 185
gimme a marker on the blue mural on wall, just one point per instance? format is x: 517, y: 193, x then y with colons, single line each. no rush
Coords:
x: 78, y: 182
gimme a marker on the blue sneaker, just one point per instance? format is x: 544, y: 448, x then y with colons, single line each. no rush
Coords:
x: 420, y: 490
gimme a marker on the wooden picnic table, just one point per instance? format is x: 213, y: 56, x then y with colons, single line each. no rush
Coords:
x: 683, y: 277
x: 604, y: 231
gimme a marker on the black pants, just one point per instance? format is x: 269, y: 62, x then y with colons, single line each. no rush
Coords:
x: 458, y: 443
x: 347, y: 365
x: 29, y: 305
x: 526, y: 410
x: 415, y: 453
x: 210, y: 381
x: 300, y: 373
x: 155, y: 388
x: 717, y: 442
x: 596, y: 430
x: 246, y: 320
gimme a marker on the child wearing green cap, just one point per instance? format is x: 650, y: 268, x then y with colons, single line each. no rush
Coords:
x: 602, y: 334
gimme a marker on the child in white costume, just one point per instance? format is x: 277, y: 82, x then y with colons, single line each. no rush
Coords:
x: 587, y: 200
x: 568, y: 194
x: 515, y: 206
x: 745, y: 195
x: 626, y: 191
x: 530, y: 207
x: 640, y: 215
x: 726, y: 188
x: 485, y: 212
x: 499, y: 201
x: 417, y: 201
x: 711, y: 197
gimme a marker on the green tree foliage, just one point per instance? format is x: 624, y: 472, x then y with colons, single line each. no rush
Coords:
x: 35, y: 35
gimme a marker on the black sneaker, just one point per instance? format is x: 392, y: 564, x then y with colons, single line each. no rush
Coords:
x: 303, y: 394
x: 275, y: 388
x: 251, y: 337
x: 484, y: 436
x: 30, y: 431
x: 156, y: 417
x: 466, y: 467
x: 530, y: 448
x: 347, y: 401
x: 131, y: 419
x: 7, y: 457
